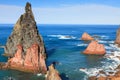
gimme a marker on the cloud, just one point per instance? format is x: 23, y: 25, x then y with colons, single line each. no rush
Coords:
x: 75, y: 14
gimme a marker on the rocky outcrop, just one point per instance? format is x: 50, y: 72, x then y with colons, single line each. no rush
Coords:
x: 31, y: 62
x: 52, y: 73
x: 95, y: 48
x: 25, y: 33
x: 26, y: 44
x: 87, y: 37
x: 117, y: 41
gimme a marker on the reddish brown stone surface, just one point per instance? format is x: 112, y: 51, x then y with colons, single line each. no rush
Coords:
x: 95, y: 48
x: 52, y: 73
x: 86, y: 36
x: 33, y: 61
x: 117, y: 41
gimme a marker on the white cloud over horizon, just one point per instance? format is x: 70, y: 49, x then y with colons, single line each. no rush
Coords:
x: 75, y: 14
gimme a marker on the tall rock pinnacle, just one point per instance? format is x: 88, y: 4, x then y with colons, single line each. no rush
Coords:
x: 25, y: 33
x: 26, y: 45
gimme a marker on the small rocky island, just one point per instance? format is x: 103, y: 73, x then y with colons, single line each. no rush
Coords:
x: 95, y: 48
x: 86, y: 37
x: 25, y: 46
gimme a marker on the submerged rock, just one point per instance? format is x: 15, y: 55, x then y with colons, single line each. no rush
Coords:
x: 95, y: 48
x: 86, y: 36
x: 26, y: 44
x: 117, y: 41
x: 52, y: 73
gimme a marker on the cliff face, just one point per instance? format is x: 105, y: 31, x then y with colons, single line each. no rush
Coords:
x: 31, y: 62
x: 26, y: 44
x: 25, y: 33
x: 117, y: 41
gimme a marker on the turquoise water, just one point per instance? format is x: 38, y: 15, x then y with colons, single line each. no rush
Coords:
x: 66, y: 51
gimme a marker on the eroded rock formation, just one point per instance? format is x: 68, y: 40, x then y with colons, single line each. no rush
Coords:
x: 117, y: 41
x: 25, y: 33
x: 95, y: 48
x: 31, y: 62
x: 52, y: 73
x: 26, y: 44
x: 86, y: 36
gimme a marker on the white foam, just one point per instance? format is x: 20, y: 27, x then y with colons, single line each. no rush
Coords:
x: 104, y: 37
x: 108, y: 66
x: 109, y: 42
x: 62, y: 36
x: 82, y: 44
x: 39, y: 74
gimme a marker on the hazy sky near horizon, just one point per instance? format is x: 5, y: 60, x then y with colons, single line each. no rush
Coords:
x: 63, y: 11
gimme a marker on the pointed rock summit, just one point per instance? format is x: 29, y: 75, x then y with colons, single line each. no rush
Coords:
x: 25, y: 33
x: 26, y: 45
x: 117, y: 41
x: 87, y: 37
x: 95, y: 48
x: 52, y: 74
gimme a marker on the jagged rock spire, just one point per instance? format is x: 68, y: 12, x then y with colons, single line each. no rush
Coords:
x: 25, y: 33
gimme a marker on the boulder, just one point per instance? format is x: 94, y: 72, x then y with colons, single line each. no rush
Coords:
x: 86, y: 36
x: 26, y: 45
x: 52, y: 74
x: 117, y: 41
x: 95, y: 48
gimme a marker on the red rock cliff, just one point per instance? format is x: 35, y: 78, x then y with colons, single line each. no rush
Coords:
x: 26, y: 45
x: 95, y: 48
x: 31, y: 62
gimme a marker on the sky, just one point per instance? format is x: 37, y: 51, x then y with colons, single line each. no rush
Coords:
x: 63, y: 11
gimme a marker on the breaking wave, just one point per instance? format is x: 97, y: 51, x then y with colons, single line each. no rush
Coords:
x: 108, y: 66
x: 62, y: 36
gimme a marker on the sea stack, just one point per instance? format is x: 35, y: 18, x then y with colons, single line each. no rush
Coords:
x: 117, y: 41
x: 26, y: 45
x: 86, y: 37
x: 52, y: 73
x: 95, y: 48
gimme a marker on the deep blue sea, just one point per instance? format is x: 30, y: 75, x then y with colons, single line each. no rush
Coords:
x: 67, y: 50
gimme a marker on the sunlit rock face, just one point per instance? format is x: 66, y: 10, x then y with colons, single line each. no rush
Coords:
x: 117, y: 41
x: 87, y: 37
x: 52, y: 74
x: 26, y: 44
x: 95, y: 48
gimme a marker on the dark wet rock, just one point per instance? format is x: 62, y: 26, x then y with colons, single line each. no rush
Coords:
x: 25, y: 33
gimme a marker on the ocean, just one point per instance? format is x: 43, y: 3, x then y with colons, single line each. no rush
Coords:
x: 67, y: 51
